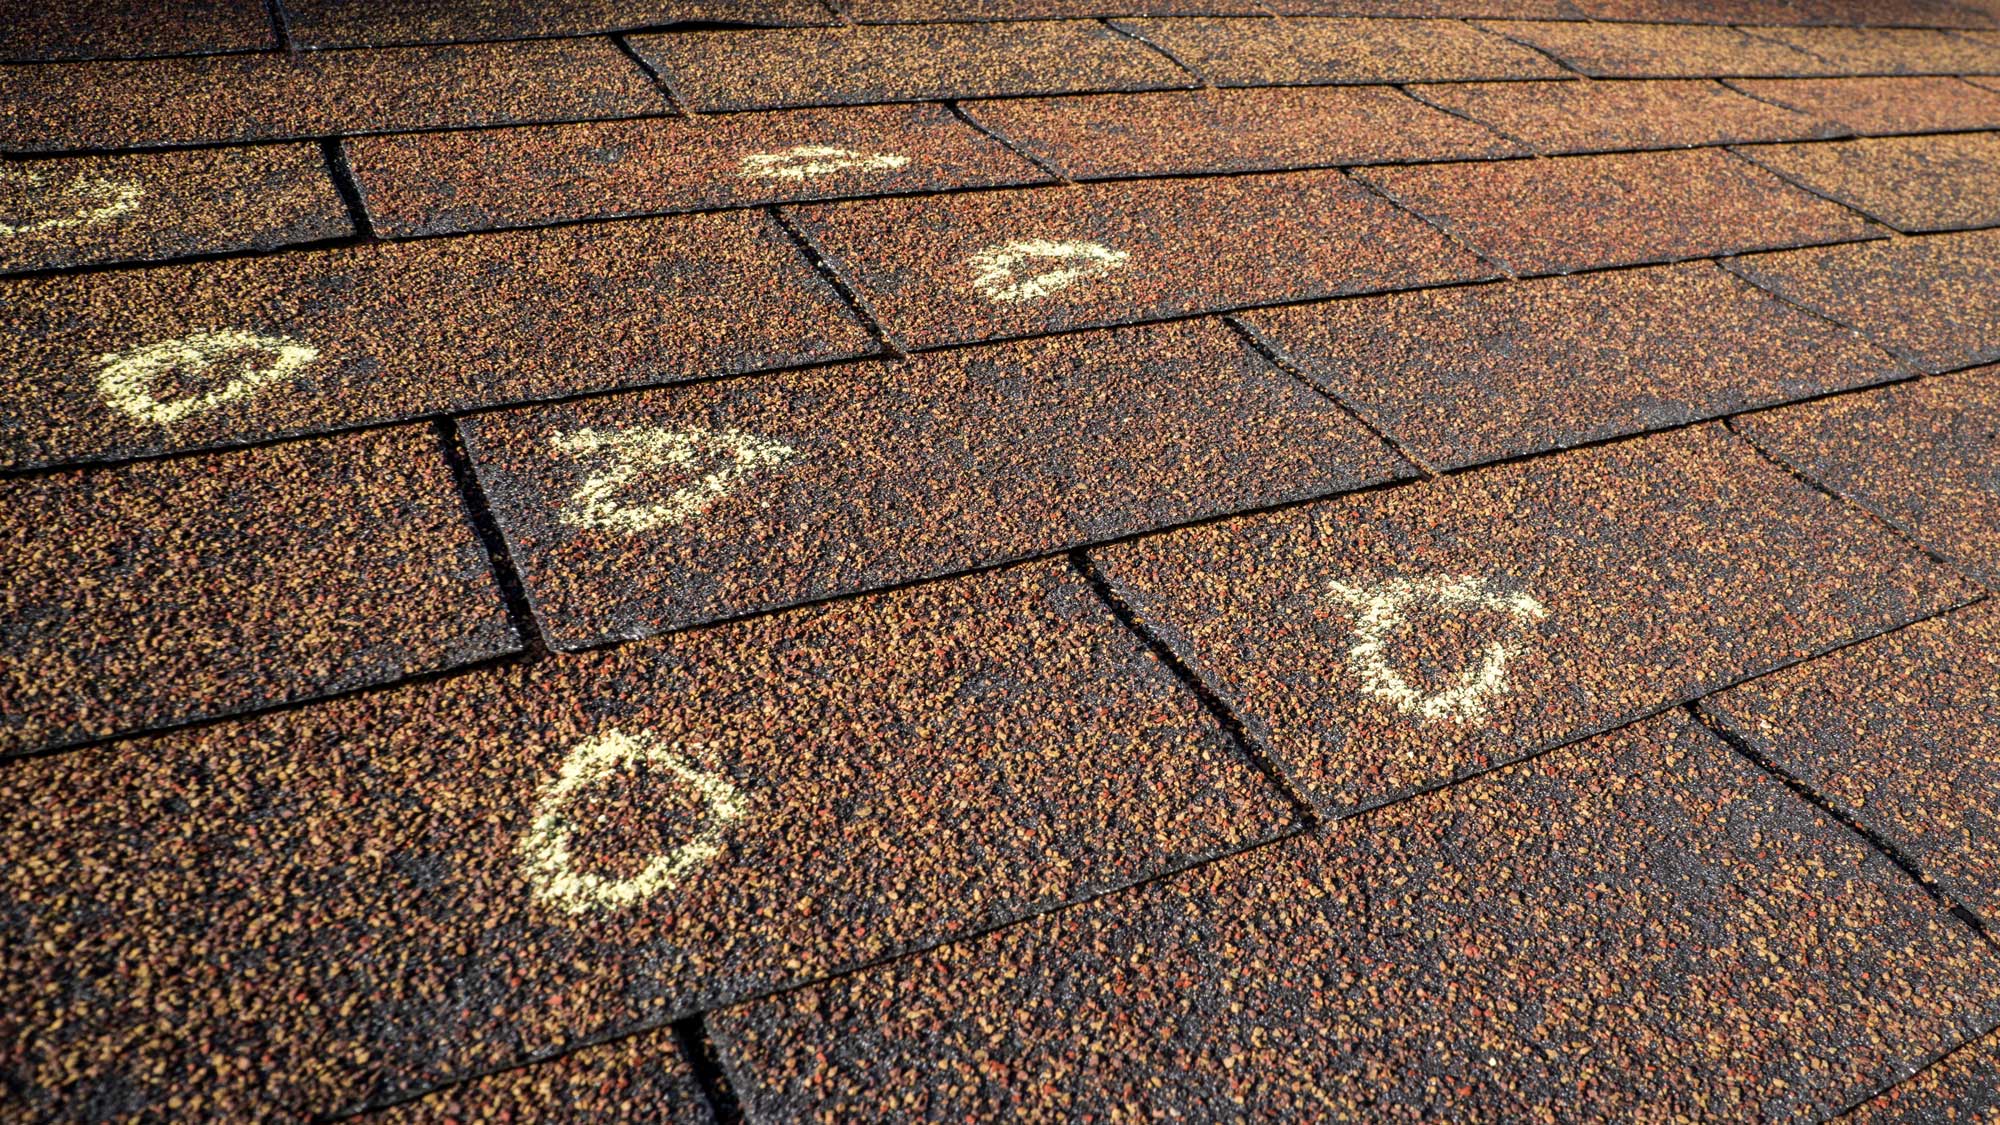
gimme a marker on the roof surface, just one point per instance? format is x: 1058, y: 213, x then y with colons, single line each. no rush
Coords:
x: 1064, y: 559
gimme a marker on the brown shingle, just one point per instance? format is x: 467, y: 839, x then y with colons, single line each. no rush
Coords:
x: 1878, y: 50
x: 1911, y: 183
x: 1920, y: 455
x: 177, y: 590
x: 115, y: 364
x: 381, y: 23
x: 1474, y: 374
x: 1570, y: 117
x: 429, y: 183
x: 636, y: 513
x: 927, y: 11
x: 1644, y: 927
x: 958, y: 268
x: 1881, y: 13
x: 259, y: 97
x: 1885, y: 105
x: 1394, y: 640
x: 1578, y: 212
x: 721, y: 70
x: 100, y: 209
x: 84, y: 29
x: 1450, y: 9
x: 1639, y: 50
x: 1901, y: 733
x: 1190, y: 131
x: 389, y: 891
x: 641, y: 1078
x: 1962, y: 1087
x: 1266, y: 52
x: 1934, y: 300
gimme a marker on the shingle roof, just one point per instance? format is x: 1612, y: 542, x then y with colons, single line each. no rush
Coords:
x: 699, y: 560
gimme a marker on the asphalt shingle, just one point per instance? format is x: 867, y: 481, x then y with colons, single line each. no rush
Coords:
x: 169, y: 591
x: 638, y: 513
x: 1641, y: 207
x: 1925, y: 456
x: 1902, y: 734
x: 1933, y: 300
x: 926, y: 11
x: 1465, y: 375
x: 1914, y: 184
x: 642, y: 1078
x: 180, y: 357
x: 1573, y: 117
x: 1388, y: 642
x: 1267, y: 52
x: 227, y: 98
x: 85, y: 29
x: 1642, y: 927
x: 1882, y: 106
x: 723, y: 70
x: 1881, y: 13
x: 1963, y: 1087
x: 381, y: 23
x: 430, y: 183
x: 1641, y: 50
x: 951, y: 269
x: 1878, y: 50
x: 370, y: 897
x: 1191, y: 131
x: 120, y: 209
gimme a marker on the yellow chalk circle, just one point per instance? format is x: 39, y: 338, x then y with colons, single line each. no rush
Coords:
x: 1380, y: 609
x: 98, y: 201
x: 127, y: 379
x: 996, y: 269
x: 545, y: 848
x: 816, y: 160
x: 635, y: 450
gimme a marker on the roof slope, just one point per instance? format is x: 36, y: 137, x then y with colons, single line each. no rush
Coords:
x: 1312, y: 559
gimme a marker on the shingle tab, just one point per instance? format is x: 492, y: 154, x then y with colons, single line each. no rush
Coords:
x: 1880, y: 13
x: 1267, y: 52
x: 105, y: 209
x: 430, y: 183
x: 1449, y: 9
x: 1531, y: 946
x: 638, y: 513
x: 85, y: 29
x: 1663, y: 50
x: 1580, y: 212
x: 1914, y: 184
x: 178, y: 590
x: 642, y: 1078
x: 1934, y: 300
x: 1884, y: 105
x: 1465, y: 375
x: 386, y: 892
x: 116, y: 364
x: 1920, y: 455
x: 957, y: 268
x: 1391, y: 641
x: 1902, y: 734
x: 269, y: 96
x: 723, y: 70
x: 1191, y: 131
x: 1572, y: 117
x: 1963, y: 1086
x: 1881, y: 50
x: 928, y: 11
x: 345, y: 23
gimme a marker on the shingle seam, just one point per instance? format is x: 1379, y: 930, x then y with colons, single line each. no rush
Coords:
x: 1214, y: 702
x: 692, y: 1036
x: 1284, y: 361
x: 1848, y: 205
x: 1028, y: 915
x: 1906, y: 535
x: 1558, y: 60
x: 479, y: 513
x: 281, y: 25
x: 1750, y: 31
x: 999, y: 136
x: 675, y: 102
x: 1117, y: 27
x: 334, y: 152
x: 1441, y: 226
x: 891, y: 347
x: 1939, y: 1060
x: 1875, y: 840
x: 1407, y: 90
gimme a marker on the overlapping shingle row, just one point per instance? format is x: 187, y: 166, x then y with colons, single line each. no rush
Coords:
x: 1033, y: 558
